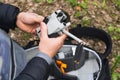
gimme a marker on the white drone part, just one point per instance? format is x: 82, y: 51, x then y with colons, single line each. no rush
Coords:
x: 67, y: 33
x: 55, y: 25
x: 53, y: 29
x: 74, y: 37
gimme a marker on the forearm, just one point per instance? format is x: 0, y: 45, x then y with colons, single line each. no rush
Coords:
x: 36, y: 69
x: 8, y: 16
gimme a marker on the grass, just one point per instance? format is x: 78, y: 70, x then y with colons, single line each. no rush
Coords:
x: 84, y: 4
x: 48, y: 1
x: 115, y: 31
x: 86, y: 22
x: 104, y: 5
x: 26, y: 36
x: 77, y: 14
x: 117, y: 3
x: 115, y: 76
x: 38, y: 0
x: 73, y: 2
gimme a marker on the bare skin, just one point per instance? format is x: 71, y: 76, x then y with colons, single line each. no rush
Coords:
x: 50, y: 46
x: 28, y: 22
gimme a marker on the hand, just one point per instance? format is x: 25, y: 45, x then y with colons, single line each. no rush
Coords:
x: 47, y: 45
x: 28, y: 22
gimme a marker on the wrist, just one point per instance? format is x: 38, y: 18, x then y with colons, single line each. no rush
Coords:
x: 49, y: 53
x: 45, y: 57
x: 18, y: 19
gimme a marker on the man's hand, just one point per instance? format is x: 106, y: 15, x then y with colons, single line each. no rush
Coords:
x: 28, y: 22
x: 47, y: 45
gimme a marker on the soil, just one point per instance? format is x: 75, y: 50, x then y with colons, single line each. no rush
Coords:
x: 96, y: 15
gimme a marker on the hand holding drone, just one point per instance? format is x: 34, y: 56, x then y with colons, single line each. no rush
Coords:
x: 58, y: 22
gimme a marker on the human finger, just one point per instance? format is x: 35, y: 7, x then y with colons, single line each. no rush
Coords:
x: 31, y: 18
x: 44, y: 30
x: 38, y: 18
x: 62, y: 38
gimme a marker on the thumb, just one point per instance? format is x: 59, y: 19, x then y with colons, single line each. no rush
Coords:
x: 44, y: 30
x: 30, y: 18
x: 62, y: 37
x: 38, y: 18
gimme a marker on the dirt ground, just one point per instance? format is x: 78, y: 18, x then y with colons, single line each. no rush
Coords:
x: 96, y: 15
